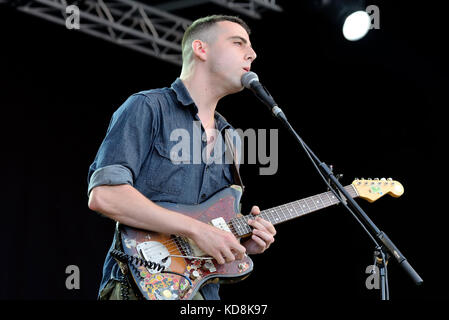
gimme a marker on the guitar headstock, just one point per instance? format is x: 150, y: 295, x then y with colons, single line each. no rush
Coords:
x: 371, y: 190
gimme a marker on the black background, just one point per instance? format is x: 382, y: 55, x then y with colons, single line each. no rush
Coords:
x: 372, y: 108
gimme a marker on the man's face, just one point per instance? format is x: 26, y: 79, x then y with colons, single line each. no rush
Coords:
x: 230, y: 55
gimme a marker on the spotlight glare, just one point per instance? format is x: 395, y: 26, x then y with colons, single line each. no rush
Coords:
x: 356, y: 25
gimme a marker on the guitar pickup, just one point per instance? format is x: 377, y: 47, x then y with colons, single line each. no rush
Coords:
x: 220, y: 223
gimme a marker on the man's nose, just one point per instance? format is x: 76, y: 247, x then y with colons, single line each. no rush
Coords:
x: 251, y: 55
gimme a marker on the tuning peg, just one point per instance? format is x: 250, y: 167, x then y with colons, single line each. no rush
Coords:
x: 390, y: 179
x: 383, y: 179
x: 376, y: 179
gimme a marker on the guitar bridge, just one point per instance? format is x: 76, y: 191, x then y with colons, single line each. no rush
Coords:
x: 189, y: 249
x: 196, y: 251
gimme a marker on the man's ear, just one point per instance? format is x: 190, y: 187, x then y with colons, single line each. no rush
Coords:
x: 199, y: 49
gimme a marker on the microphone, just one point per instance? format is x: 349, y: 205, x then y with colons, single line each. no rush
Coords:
x: 250, y: 80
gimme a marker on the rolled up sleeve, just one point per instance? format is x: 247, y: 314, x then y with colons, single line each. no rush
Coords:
x: 110, y: 176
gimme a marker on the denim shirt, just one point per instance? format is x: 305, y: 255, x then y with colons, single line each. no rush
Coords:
x: 138, y: 150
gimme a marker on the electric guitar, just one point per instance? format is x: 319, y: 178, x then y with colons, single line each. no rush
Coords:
x: 166, y: 267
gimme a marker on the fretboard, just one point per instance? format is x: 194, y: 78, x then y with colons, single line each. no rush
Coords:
x: 239, y: 225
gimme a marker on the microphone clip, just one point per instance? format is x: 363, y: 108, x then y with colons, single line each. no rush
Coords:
x: 338, y: 176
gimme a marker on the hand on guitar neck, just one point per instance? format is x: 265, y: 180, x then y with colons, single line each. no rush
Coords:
x: 263, y: 234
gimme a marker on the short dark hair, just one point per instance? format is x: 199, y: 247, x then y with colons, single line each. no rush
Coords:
x: 205, y: 23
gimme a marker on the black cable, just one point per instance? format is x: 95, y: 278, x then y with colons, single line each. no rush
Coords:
x: 119, y: 255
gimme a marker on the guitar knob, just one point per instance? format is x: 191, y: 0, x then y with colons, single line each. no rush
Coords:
x: 389, y: 179
x: 194, y: 274
x: 167, y: 294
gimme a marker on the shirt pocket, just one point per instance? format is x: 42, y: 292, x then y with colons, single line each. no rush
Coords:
x: 163, y: 174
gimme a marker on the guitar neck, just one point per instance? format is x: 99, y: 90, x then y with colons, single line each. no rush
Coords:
x: 289, y: 211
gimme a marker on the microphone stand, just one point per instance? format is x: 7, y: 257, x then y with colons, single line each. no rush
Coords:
x: 384, y: 246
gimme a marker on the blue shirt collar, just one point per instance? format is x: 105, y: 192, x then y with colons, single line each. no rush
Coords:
x: 185, y: 99
x: 182, y: 94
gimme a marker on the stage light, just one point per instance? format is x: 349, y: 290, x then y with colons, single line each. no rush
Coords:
x: 356, y: 25
x: 349, y: 16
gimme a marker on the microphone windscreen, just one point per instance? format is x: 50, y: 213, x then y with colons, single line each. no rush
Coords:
x: 249, y: 77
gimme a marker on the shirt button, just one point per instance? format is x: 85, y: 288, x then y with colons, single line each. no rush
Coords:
x: 203, y: 196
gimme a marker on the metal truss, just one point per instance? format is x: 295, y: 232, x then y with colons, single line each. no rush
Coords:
x: 124, y: 22
x: 250, y: 8
x: 150, y: 29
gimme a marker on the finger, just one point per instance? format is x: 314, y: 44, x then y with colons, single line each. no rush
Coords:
x: 257, y: 224
x: 266, y: 237
x: 255, y: 210
x: 269, y: 226
x: 228, y: 255
x: 259, y: 241
x: 238, y: 249
x: 219, y: 258
x: 238, y: 255
x: 263, y: 224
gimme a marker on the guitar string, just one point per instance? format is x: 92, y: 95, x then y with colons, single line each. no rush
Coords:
x: 172, y: 244
x: 276, y: 210
x: 231, y: 226
x: 279, y: 210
